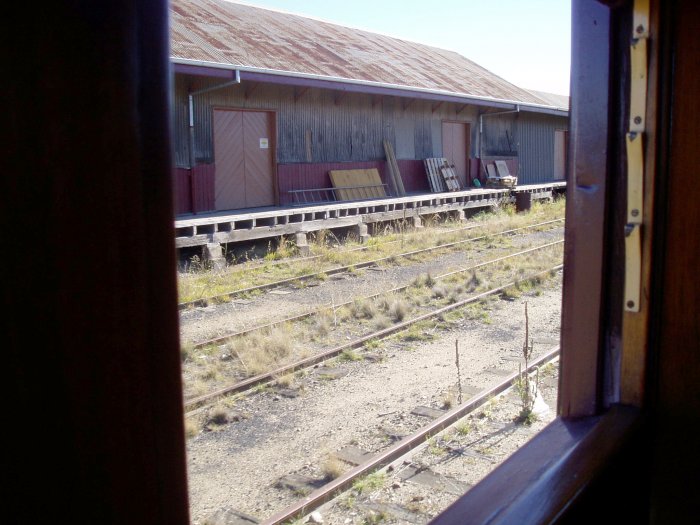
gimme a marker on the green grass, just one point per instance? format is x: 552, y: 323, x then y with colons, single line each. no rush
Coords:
x: 369, y: 483
x: 349, y: 355
x: 201, y: 281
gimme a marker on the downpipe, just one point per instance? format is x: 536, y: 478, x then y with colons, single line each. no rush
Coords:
x: 190, y: 101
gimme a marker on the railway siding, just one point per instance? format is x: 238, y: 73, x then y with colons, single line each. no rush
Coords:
x: 368, y: 407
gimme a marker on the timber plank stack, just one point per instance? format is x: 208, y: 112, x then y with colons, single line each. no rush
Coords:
x: 441, y: 175
x: 394, y: 173
x: 352, y: 185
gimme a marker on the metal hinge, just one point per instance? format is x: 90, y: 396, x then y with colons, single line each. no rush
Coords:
x: 635, y: 156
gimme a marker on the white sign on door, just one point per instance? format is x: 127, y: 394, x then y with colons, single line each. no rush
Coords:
x: 264, y: 144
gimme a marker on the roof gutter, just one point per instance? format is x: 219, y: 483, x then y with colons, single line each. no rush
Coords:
x: 481, y: 122
x: 190, y: 100
x: 364, y: 86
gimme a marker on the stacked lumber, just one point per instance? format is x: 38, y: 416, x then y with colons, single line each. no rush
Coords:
x: 441, y: 175
x: 354, y: 185
x: 394, y: 173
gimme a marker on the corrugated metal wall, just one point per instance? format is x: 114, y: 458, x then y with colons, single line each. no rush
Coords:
x: 537, y: 146
x: 324, y: 126
x: 527, y: 136
x: 319, y: 125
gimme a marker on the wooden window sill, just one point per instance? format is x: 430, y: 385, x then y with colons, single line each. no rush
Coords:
x: 543, y: 480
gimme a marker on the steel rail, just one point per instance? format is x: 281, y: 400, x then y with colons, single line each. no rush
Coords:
x: 299, y: 317
x: 251, y: 382
x: 400, y: 449
x: 204, y: 301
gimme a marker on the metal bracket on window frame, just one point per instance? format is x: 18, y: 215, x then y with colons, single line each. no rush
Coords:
x: 635, y: 156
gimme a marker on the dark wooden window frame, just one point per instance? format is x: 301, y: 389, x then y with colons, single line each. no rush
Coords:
x: 601, y: 391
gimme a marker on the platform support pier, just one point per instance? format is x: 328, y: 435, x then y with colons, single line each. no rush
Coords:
x: 362, y: 234
x: 213, y: 254
x: 302, y: 244
x: 458, y: 216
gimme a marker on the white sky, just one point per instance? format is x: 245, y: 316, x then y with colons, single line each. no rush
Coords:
x: 525, y: 42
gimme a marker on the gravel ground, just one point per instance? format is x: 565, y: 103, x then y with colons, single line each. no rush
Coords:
x: 364, y: 403
x: 200, y: 324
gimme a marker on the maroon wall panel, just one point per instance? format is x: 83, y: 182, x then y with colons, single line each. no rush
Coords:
x: 413, y: 175
x: 182, y: 188
x: 308, y: 176
x: 203, y: 187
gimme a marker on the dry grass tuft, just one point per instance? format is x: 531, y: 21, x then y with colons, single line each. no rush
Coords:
x: 286, y: 380
x: 381, y: 322
x: 219, y: 415
x: 332, y: 468
x: 261, y: 352
x: 440, y: 292
x: 398, y: 310
x: 363, y: 309
x: 192, y: 428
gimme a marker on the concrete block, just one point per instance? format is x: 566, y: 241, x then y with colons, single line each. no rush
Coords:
x: 302, y: 244
x: 353, y: 455
x: 428, y: 478
x: 362, y: 234
x: 213, y: 254
x: 458, y: 216
x: 432, y: 413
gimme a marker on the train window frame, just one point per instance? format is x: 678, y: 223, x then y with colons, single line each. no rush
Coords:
x: 604, y: 352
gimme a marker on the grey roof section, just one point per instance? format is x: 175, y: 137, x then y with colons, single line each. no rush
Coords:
x: 559, y: 101
x: 224, y: 34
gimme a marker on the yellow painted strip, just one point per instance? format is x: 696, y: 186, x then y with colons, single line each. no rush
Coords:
x: 633, y: 268
x: 640, y: 19
x: 638, y: 88
x: 635, y: 178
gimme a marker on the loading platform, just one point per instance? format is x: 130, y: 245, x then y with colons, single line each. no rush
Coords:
x: 223, y: 227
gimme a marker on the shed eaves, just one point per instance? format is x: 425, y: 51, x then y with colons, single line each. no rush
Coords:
x: 238, y: 35
x: 559, y: 101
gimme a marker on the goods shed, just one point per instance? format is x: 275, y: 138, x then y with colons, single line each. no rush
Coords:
x: 267, y: 103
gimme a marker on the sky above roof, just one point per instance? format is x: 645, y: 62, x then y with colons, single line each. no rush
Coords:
x: 525, y: 42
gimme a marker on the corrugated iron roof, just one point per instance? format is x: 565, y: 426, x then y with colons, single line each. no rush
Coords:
x: 552, y: 99
x: 242, y: 36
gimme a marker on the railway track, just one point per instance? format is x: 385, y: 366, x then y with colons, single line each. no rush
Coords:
x: 197, y: 402
x: 305, y: 315
x: 205, y: 301
x: 397, y: 453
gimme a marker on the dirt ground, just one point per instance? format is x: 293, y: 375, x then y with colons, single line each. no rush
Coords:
x: 366, y: 404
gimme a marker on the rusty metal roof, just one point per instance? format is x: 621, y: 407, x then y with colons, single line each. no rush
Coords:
x: 226, y: 34
x: 559, y: 101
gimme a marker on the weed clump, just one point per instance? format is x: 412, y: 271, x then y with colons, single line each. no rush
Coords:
x: 369, y: 483
x: 332, y: 468
x: 398, y: 310
x: 258, y: 352
x: 363, y: 309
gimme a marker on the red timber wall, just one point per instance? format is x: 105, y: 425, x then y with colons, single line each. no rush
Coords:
x: 194, y: 189
x: 308, y: 176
